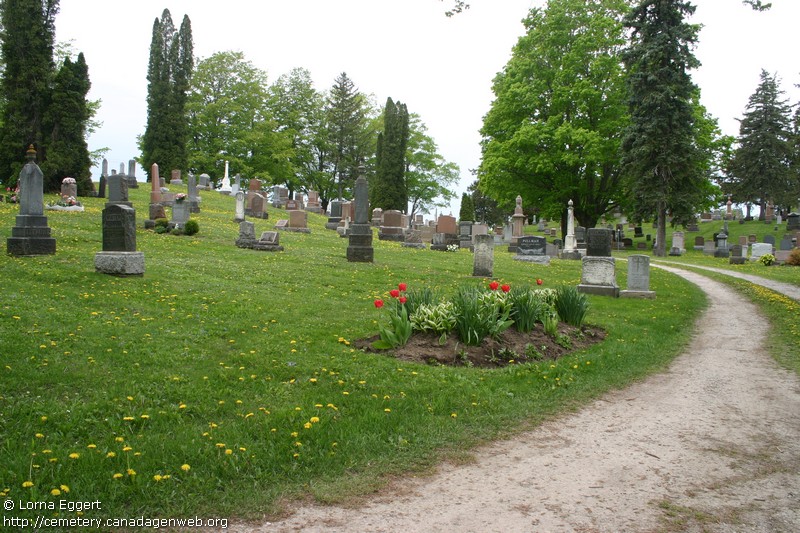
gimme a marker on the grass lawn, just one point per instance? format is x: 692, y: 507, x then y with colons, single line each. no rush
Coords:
x: 224, y: 381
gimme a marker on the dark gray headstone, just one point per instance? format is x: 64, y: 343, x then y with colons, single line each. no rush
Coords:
x: 786, y: 244
x: 359, y: 247
x: 770, y: 239
x: 580, y: 234
x: 793, y: 221
x: 119, y: 228
x: 31, y: 234
x: 118, y: 190
x: 598, y: 242
x: 532, y: 245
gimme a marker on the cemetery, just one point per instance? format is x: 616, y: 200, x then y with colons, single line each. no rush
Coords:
x: 248, y: 365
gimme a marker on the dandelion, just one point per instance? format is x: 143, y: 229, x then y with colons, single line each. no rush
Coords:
x: 185, y: 467
x: 387, y: 410
x: 117, y: 476
x: 27, y: 484
x: 220, y: 445
x: 119, y: 439
x: 157, y: 478
x: 127, y: 449
x: 314, y: 419
x: 55, y: 492
x: 307, y: 425
x: 228, y: 451
x: 131, y: 472
x: 43, y: 419
x: 92, y: 446
x: 111, y: 454
x: 453, y: 415
x: 39, y: 436
x: 74, y: 455
x: 65, y: 489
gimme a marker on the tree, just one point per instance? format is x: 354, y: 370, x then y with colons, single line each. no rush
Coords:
x: 430, y: 179
x: 298, y: 109
x: 554, y: 130
x: 28, y: 30
x: 229, y: 120
x: 66, y: 121
x: 760, y: 170
x: 389, y: 189
x: 168, y: 75
x: 348, y: 117
x: 467, y: 211
x: 660, y: 154
x: 486, y: 209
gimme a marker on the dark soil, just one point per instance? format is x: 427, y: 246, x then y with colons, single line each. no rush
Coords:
x: 512, y: 347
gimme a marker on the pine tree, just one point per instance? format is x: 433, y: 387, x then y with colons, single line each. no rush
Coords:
x: 28, y: 33
x: 660, y: 154
x: 66, y: 121
x: 168, y: 75
x: 346, y: 111
x: 760, y: 169
x: 467, y: 211
x: 389, y: 190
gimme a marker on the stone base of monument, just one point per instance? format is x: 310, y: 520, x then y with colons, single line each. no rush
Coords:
x: 598, y: 276
x: 650, y: 295
x: 418, y: 245
x: 359, y: 249
x: 31, y: 236
x: 332, y: 223
x: 737, y: 260
x: 574, y: 255
x: 675, y: 251
x: 538, y: 259
x: 296, y: 230
x: 119, y: 263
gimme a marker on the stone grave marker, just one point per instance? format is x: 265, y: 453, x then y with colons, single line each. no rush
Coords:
x: 757, y: 249
x: 31, y: 235
x: 392, y: 228
x: 598, y: 242
x: 239, y: 213
x: 205, y: 182
x: 175, y: 177
x: 699, y: 243
x: 769, y: 239
x: 532, y: 249
x: 414, y: 239
x: 180, y: 214
x: 258, y: 206
x: 638, y: 278
x: 298, y: 221
x: 359, y: 247
x: 677, y: 244
x: 738, y: 255
x: 132, y: 182
x: 786, y: 243
x: 598, y: 276
x: 194, y: 198
x: 483, y: 259
x: 335, y: 216
x: 119, y: 256
x: 709, y: 248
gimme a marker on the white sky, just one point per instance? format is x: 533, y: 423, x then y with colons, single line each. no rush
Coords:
x: 442, y: 68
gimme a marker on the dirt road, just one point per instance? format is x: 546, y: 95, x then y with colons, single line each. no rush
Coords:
x: 711, y: 445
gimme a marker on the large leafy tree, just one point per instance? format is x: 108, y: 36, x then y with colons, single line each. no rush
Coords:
x: 229, y: 120
x: 28, y: 33
x: 389, y: 189
x: 168, y: 76
x: 350, y: 132
x: 66, y: 121
x: 554, y: 130
x: 760, y: 169
x: 298, y: 109
x: 430, y: 179
x: 660, y: 152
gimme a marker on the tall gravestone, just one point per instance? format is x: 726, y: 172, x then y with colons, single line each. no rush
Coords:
x: 101, y: 191
x: 360, y: 248
x: 598, y: 274
x: 119, y: 256
x: 483, y: 260
x: 570, y: 241
x: 31, y: 234
x: 132, y: 183
x: 517, y: 225
x: 191, y: 192
x: 156, y: 209
x: 240, y: 210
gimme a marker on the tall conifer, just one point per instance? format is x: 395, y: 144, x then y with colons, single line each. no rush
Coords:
x: 390, y: 190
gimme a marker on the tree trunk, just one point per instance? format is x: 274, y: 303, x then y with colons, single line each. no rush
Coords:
x: 661, y: 232
x: 762, y: 215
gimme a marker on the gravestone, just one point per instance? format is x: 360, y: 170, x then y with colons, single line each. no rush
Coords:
x: 483, y: 260
x: 637, y: 232
x: 786, y: 243
x: 335, y: 216
x: 30, y: 235
x: 119, y: 256
x: 392, y: 228
x: 414, y: 239
x: 247, y: 233
x: 175, y: 177
x: 132, y: 182
x: 738, y: 255
x: 641, y: 246
x: 253, y: 190
x: 598, y: 276
x: 532, y: 249
x: 268, y: 242
x: 570, y: 241
x: 769, y: 239
x: 118, y: 190
x: 517, y: 223
x: 239, y: 213
x: 69, y: 187
x: 237, y: 184
x: 180, y: 214
x: 205, y: 182
x: 446, y: 224
x: 465, y: 234
x: 699, y: 243
x: 580, y: 238
x: 298, y: 221
x: 598, y: 242
x: 313, y: 205
x: 792, y: 222
x: 193, y: 198
x: 743, y: 240
x: 638, y: 278
x: 757, y: 249
x: 677, y: 244
x: 752, y: 238
x: 155, y: 185
x: 359, y: 247
x: 258, y: 206
x: 291, y: 204
x: 225, y: 186
x: 709, y: 248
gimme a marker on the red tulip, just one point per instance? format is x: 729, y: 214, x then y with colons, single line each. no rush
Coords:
x: 505, y: 288
x: 539, y: 281
x: 493, y: 285
x: 395, y: 293
x: 402, y: 287
x: 403, y: 299
x: 378, y: 303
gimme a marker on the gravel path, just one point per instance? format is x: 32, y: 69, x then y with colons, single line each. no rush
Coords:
x: 711, y: 445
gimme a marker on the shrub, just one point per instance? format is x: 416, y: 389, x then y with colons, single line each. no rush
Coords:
x: 767, y: 259
x: 161, y: 225
x: 794, y: 257
x: 434, y: 318
x: 571, y: 305
x: 191, y: 227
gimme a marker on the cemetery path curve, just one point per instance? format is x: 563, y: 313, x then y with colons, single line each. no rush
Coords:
x: 712, y: 445
x: 792, y: 291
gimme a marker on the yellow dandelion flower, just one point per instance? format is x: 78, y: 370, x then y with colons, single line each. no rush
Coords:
x: 47, y: 451
x: 92, y: 446
x: 39, y: 436
x: 131, y: 472
x: 182, y: 406
x: 220, y: 445
x: 130, y: 398
x: 53, y: 460
x: 117, y: 475
x: 111, y: 454
x: 119, y: 439
x: 294, y: 434
x: 127, y: 418
x: 157, y: 478
x: 298, y: 444
x: 127, y: 449
x: 55, y: 492
x: 387, y: 410
x: 27, y: 484
x: 314, y: 419
x: 145, y: 417
x: 242, y: 449
x: 43, y: 419
x: 228, y: 451
x: 185, y: 467
x: 307, y: 425
x: 453, y: 415
x: 74, y: 455
x: 313, y: 380
x: 64, y: 489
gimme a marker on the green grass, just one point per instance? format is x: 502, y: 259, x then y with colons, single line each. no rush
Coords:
x: 240, y: 364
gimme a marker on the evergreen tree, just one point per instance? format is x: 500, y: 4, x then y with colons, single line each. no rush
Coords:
x: 389, y: 190
x: 760, y: 169
x: 467, y: 211
x: 168, y: 75
x: 28, y: 33
x: 66, y: 121
x: 660, y: 153
x: 486, y: 209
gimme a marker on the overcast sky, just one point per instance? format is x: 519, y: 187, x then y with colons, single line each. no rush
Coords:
x: 442, y: 68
